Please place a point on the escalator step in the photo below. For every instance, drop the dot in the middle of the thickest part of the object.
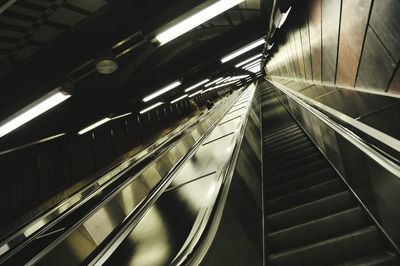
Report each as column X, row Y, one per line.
column 306, row 159
column 283, row 147
column 270, row 140
column 301, row 183
column 318, row 230
column 280, row 131
column 303, row 196
column 310, row 211
column 332, row 251
column 296, row 173
column 285, row 141
column 288, row 153
column 290, row 157
column 382, row 259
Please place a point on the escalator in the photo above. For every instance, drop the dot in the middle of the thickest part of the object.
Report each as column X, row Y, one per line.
column 311, row 216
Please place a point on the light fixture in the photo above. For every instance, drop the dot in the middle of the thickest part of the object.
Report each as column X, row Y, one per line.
column 162, row 91
column 195, row 20
column 197, row 85
column 269, row 47
column 243, row 50
column 253, row 66
column 225, row 79
column 252, row 63
column 179, row 98
column 197, row 92
column 212, row 82
column 120, row 116
column 284, row 17
column 248, row 60
column 255, row 69
column 33, row 110
column 151, row 107
column 93, row 126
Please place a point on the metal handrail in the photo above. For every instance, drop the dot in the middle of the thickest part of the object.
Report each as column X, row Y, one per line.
column 341, row 126
column 202, row 238
column 76, row 200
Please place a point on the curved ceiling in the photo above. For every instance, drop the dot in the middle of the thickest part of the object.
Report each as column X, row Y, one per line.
column 44, row 43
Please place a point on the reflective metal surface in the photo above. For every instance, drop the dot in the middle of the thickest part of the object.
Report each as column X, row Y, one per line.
column 76, row 237
column 373, row 177
column 171, row 230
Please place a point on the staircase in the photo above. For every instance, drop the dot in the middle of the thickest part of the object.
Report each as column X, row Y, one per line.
column 311, row 217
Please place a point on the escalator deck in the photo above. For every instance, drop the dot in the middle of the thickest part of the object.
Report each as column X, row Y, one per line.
column 311, row 217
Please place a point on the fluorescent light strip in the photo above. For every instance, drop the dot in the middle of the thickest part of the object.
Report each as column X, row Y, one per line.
column 225, row 79
column 120, row 116
column 33, row 110
column 252, row 63
column 162, row 91
column 151, row 107
column 197, row 92
column 197, row 85
column 196, row 20
column 93, row 126
column 179, row 98
column 284, row 17
column 243, row 50
column 212, row 82
column 255, row 69
column 248, row 60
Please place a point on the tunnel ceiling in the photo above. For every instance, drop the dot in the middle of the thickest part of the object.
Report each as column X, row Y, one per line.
column 46, row 43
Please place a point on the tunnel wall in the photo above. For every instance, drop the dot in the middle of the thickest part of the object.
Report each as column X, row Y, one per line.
column 346, row 43
column 56, row 168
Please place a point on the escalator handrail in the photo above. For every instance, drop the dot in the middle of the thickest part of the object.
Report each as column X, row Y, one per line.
column 129, row 224
column 201, row 240
column 15, row 239
column 342, row 126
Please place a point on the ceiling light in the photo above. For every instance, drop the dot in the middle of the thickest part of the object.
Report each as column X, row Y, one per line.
column 243, row 50
column 212, row 82
column 92, row 126
column 196, row 20
column 33, row 110
column 197, row 92
column 179, row 98
column 252, row 63
column 225, row 79
column 248, row 60
column 120, row 116
column 162, row 91
column 151, row 107
column 284, row 17
column 197, row 85
column 255, row 69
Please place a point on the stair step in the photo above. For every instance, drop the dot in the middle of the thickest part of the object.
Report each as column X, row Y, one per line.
column 284, row 139
column 296, row 173
column 312, row 157
column 283, row 147
column 273, row 133
column 300, row 183
column 332, row 251
column 293, row 156
column 318, row 230
column 282, row 126
column 310, row 211
column 383, row 258
column 303, row 196
column 292, row 152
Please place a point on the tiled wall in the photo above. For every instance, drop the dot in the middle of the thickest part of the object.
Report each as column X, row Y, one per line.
column 346, row 43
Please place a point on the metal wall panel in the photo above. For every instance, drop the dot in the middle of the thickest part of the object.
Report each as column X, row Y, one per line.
column 299, row 53
column 352, row 31
column 315, row 29
column 395, row 84
column 330, row 30
column 376, row 66
column 385, row 21
column 305, row 41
